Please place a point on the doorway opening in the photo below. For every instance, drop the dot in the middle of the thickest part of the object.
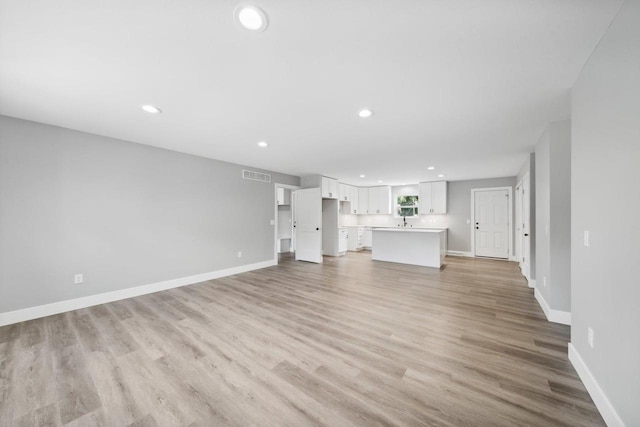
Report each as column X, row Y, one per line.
column 284, row 224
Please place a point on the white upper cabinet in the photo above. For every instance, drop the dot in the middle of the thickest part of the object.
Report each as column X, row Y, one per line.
column 355, row 193
column 433, row 198
column 379, row 200
column 348, row 193
column 363, row 201
column 328, row 186
column 345, row 192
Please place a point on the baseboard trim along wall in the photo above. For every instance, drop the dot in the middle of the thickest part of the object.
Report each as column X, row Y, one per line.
column 460, row 253
column 532, row 283
column 600, row 399
column 555, row 316
column 91, row 300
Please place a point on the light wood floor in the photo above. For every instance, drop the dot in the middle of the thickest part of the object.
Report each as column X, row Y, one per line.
column 350, row 342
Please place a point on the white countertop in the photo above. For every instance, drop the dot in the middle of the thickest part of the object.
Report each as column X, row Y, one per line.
column 380, row 227
column 410, row 230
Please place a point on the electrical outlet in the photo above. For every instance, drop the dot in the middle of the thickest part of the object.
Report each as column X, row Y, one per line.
column 544, row 281
column 239, row 254
column 590, row 337
column 468, row 221
column 78, row 278
column 586, row 238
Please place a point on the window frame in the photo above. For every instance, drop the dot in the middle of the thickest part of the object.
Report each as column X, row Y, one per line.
column 415, row 206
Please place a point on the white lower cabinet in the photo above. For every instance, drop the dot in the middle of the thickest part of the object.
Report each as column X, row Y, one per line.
column 367, row 237
column 356, row 238
column 343, row 239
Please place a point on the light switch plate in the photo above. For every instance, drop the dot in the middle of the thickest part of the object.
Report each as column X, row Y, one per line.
column 586, row 238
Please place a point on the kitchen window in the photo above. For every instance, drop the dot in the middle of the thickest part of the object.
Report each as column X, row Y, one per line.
column 406, row 206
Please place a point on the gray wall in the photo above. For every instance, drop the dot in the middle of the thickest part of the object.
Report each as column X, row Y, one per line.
column 459, row 209
column 553, row 215
column 606, row 201
column 529, row 167
column 122, row 214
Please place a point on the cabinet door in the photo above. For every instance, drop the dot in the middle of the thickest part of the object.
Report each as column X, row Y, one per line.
column 329, row 188
column 367, row 237
column 374, row 201
column 363, row 200
column 384, row 200
column 424, row 198
column 439, row 197
column 355, row 209
column 333, row 188
column 325, row 187
column 343, row 192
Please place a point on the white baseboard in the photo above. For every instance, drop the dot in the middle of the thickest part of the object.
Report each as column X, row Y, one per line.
column 36, row 312
column 600, row 399
column 555, row 316
column 460, row 253
column 531, row 283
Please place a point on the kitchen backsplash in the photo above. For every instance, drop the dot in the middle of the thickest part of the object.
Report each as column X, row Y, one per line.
column 425, row 221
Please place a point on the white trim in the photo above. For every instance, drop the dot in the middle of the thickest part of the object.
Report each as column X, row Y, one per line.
column 531, row 283
column 555, row 316
column 30, row 313
column 460, row 253
column 275, row 216
column 600, row 399
column 473, row 217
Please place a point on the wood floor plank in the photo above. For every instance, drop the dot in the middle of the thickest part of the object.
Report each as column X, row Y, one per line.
column 347, row 342
column 76, row 392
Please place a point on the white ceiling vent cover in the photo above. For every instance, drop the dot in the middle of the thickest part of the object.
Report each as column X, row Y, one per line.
column 256, row 176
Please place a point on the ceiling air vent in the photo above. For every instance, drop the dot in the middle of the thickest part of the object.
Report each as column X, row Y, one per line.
column 256, row 176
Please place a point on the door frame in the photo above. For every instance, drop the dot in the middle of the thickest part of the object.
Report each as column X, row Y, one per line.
column 473, row 218
column 519, row 244
column 275, row 216
column 526, row 272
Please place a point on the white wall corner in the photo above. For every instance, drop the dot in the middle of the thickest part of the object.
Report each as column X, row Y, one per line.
column 555, row 316
column 36, row 312
column 600, row 399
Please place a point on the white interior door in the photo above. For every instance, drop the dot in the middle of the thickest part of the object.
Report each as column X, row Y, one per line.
column 526, row 227
column 294, row 220
column 518, row 224
column 492, row 223
column 309, row 225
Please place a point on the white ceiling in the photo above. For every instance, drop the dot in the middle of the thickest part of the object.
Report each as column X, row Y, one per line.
column 464, row 85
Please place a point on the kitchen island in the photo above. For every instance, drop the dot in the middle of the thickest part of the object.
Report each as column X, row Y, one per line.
column 417, row 246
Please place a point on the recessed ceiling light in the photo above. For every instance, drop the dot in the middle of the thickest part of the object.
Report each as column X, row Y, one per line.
column 440, row 176
column 251, row 18
column 262, row 144
column 151, row 109
column 431, row 168
column 365, row 113
column 362, row 176
column 380, row 181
